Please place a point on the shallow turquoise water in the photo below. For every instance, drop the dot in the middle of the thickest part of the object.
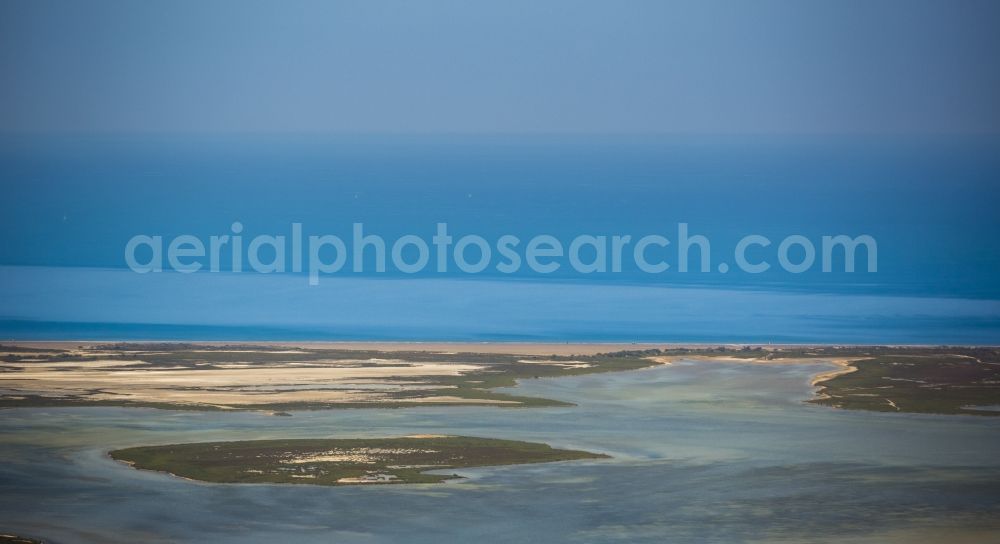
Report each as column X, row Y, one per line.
column 702, row 452
column 54, row 303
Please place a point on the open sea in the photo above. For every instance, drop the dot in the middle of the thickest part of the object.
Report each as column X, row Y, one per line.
column 71, row 204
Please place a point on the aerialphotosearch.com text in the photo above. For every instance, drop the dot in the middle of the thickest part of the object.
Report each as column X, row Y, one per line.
column 363, row 251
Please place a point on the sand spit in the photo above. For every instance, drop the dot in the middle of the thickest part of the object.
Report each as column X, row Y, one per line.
column 844, row 366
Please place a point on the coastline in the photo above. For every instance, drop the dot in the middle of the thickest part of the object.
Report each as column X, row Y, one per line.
column 507, row 348
column 574, row 347
column 279, row 376
column 845, row 366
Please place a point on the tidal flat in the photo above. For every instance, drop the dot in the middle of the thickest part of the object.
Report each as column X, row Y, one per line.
column 718, row 447
column 282, row 378
column 277, row 378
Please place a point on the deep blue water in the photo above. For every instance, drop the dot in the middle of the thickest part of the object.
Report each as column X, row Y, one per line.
column 72, row 203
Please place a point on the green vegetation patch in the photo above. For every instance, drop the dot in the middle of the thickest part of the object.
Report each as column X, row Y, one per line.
column 15, row 539
column 340, row 461
column 965, row 382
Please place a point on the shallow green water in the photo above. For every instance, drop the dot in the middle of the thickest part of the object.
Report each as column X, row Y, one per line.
column 702, row 452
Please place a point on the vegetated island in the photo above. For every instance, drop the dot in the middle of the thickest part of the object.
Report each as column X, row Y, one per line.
column 404, row 460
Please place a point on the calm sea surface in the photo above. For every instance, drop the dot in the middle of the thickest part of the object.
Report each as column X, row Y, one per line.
column 71, row 204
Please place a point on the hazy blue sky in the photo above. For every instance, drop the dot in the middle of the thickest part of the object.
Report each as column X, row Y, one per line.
column 508, row 66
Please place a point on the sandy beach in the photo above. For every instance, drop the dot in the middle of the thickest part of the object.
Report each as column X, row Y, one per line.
column 515, row 348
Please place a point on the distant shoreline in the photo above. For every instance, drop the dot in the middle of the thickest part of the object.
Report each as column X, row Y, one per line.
column 283, row 376
column 513, row 347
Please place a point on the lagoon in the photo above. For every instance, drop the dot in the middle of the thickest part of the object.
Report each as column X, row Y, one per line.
column 701, row 451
